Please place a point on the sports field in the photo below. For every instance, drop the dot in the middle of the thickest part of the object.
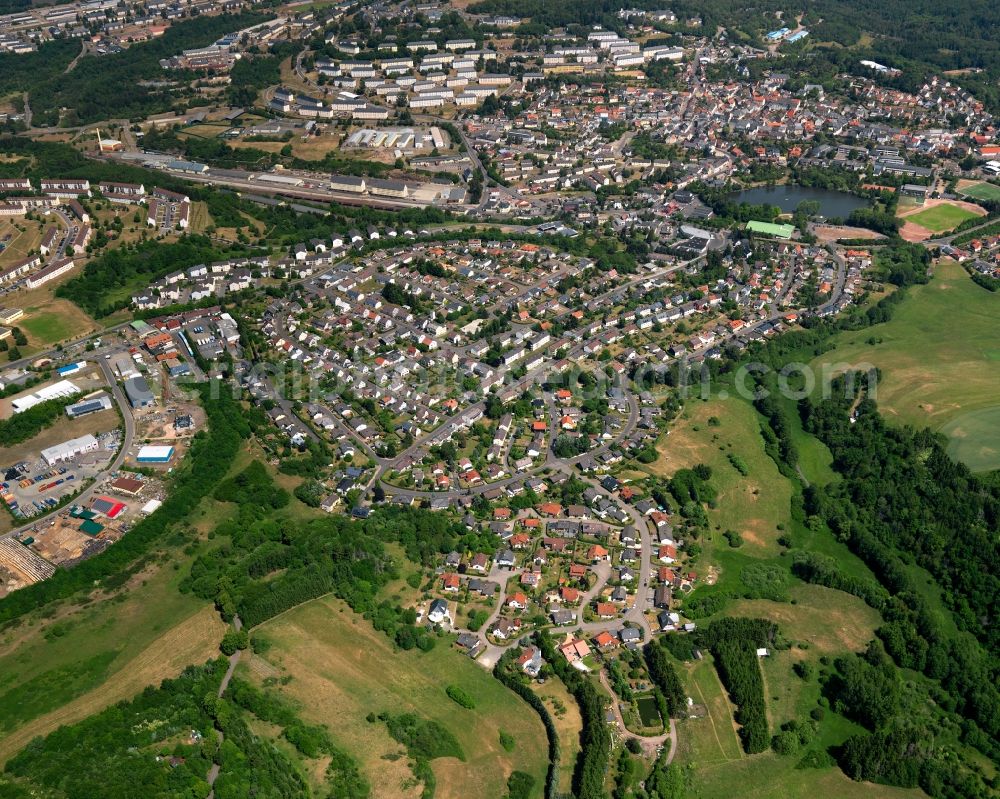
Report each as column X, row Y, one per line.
column 980, row 190
column 940, row 363
column 941, row 218
column 49, row 327
column 19, row 238
column 341, row 669
column 48, row 319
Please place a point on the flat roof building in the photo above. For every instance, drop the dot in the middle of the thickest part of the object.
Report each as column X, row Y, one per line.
column 69, row 449
column 101, row 402
column 155, row 454
column 127, row 485
column 64, row 388
column 771, row 229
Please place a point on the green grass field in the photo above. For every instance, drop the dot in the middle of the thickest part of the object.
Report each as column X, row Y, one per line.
column 753, row 505
column 565, row 714
column 972, row 438
column 48, row 327
column 939, row 361
column 341, row 670
column 720, row 769
column 982, row 191
column 828, row 621
column 941, row 218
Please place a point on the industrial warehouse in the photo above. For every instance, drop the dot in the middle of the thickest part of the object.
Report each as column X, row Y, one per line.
column 69, row 449
column 139, row 395
column 98, row 402
column 155, row 454
column 60, row 390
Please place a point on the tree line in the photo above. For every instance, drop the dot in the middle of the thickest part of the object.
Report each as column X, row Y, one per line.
column 734, row 643
column 595, row 737
column 507, row 672
column 29, row 423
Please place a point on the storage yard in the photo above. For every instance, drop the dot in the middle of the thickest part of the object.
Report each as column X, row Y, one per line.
column 79, row 531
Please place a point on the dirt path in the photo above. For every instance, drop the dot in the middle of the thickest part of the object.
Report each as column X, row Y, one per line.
column 234, row 661
column 72, row 64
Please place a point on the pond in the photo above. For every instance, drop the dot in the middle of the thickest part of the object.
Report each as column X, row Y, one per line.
column 787, row 198
column 649, row 713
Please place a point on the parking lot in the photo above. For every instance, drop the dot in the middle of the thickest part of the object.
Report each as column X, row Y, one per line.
column 32, row 487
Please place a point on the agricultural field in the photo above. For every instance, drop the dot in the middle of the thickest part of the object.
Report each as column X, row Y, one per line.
column 979, row 190
column 939, row 361
column 942, row 218
column 339, row 669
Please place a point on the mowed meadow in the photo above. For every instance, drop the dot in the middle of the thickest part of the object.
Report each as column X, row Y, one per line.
column 940, row 363
column 337, row 669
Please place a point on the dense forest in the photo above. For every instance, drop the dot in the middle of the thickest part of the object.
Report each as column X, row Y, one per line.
column 117, row 86
column 909, row 511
